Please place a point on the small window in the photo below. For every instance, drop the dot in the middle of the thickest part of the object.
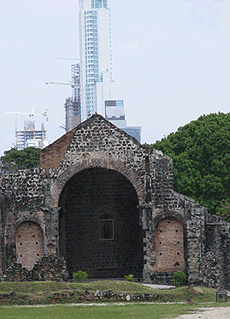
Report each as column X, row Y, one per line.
column 106, row 228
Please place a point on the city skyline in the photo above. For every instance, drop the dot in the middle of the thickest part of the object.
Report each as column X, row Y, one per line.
column 170, row 59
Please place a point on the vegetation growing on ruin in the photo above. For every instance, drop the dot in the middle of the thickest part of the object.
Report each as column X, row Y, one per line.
column 80, row 275
column 200, row 152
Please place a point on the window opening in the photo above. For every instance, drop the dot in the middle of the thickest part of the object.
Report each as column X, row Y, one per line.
column 106, row 227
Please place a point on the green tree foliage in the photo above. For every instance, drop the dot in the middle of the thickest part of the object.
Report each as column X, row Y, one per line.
column 13, row 159
column 200, row 152
column 224, row 210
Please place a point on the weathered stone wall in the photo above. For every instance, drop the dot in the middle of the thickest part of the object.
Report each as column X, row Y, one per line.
column 42, row 197
column 49, row 268
column 215, row 266
column 97, row 143
column 25, row 198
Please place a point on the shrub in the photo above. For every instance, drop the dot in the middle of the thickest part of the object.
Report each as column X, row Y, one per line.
column 80, row 275
column 129, row 277
column 179, row 278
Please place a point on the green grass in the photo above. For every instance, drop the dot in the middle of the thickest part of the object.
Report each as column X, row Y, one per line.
column 65, row 292
column 59, row 294
column 130, row 311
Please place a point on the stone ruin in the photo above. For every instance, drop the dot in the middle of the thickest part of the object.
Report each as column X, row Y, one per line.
column 105, row 204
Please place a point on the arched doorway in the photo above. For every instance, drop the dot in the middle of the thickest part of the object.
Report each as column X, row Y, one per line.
column 99, row 225
column 29, row 244
column 169, row 245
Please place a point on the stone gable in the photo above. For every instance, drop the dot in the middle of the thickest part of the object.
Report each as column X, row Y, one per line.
column 106, row 204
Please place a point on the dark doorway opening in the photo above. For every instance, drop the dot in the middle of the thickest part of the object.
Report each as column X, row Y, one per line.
column 99, row 225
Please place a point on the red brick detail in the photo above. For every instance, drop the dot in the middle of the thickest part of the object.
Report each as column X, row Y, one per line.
column 52, row 155
column 169, row 246
column 29, row 244
column 93, row 163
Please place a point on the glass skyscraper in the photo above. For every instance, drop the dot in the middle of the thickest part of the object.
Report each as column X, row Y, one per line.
column 95, row 56
column 96, row 83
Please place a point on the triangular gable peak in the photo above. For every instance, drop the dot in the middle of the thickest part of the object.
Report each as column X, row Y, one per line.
column 95, row 135
column 97, row 143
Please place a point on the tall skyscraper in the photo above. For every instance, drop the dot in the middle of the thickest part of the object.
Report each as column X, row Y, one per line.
column 95, row 71
column 95, row 56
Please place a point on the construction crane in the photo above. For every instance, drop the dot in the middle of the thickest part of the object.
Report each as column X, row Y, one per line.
column 73, row 59
column 32, row 114
column 59, row 83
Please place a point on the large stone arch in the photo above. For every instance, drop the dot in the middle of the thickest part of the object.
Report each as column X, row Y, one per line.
column 107, row 163
column 170, row 242
column 94, row 198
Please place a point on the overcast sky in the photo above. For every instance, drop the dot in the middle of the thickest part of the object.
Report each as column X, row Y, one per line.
column 170, row 61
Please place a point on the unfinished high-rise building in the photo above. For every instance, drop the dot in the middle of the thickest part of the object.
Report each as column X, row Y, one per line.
column 73, row 104
column 30, row 137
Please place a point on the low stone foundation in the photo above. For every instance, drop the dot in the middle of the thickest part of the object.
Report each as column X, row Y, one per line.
column 48, row 268
column 162, row 278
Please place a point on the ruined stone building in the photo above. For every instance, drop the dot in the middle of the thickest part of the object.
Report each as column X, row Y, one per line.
column 107, row 205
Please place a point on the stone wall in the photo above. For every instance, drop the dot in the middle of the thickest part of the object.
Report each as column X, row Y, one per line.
column 49, row 196
column 49, row 268
column 215, row 266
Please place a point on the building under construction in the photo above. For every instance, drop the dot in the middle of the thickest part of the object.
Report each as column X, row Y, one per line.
column 30, row 137
column 73, row 104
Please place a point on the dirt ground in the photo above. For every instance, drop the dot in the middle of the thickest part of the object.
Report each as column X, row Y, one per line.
column 215, row 313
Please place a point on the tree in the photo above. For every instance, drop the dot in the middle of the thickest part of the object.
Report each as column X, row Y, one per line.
column 200, row 152
column 224, row 210
column 14, row 159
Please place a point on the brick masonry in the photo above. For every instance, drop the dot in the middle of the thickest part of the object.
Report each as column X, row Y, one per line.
column 29, row 244
column 98, row 170
column 169, row 246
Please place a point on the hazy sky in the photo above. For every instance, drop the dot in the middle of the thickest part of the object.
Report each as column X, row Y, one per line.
column 170, row 61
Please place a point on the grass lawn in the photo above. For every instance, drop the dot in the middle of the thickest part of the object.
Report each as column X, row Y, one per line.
column 32, row 293
column 57, row 297
column 128, row 311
